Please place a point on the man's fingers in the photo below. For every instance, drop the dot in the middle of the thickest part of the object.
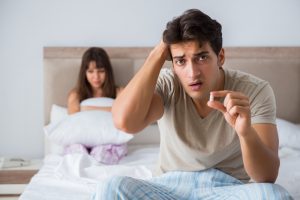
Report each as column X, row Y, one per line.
column 228, row 94
column 231, row 98
column 217, row 105
column 235, row 102
column 238, row 110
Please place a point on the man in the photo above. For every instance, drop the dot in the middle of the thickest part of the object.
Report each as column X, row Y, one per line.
column 208, row 148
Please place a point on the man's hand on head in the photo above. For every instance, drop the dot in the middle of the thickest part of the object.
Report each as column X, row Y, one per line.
column 163, row 49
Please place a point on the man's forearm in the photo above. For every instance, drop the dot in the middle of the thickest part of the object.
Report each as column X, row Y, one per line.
column 132, row 106
column 260, row 162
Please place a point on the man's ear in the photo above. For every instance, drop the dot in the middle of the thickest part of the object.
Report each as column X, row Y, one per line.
column 221, row 58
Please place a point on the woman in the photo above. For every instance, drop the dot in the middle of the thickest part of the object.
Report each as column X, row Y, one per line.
column 95, row 79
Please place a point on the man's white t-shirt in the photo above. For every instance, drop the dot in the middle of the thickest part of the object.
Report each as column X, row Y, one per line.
column 192, row 143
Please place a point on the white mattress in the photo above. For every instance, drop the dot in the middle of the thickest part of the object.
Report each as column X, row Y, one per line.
column 75, row 176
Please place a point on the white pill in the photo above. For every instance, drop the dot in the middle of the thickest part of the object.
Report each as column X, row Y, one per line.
column 211, row 97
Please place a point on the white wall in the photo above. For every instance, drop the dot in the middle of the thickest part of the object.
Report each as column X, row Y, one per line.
column 26, row 26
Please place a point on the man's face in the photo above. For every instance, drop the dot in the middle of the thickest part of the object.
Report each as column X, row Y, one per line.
column 197, row 68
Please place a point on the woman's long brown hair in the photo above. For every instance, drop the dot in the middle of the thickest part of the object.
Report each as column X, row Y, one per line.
column 100, row 57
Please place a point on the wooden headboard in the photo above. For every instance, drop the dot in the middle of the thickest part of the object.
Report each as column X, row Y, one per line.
column 278, row 65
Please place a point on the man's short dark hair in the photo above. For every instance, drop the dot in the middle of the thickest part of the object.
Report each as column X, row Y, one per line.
column 194, row 25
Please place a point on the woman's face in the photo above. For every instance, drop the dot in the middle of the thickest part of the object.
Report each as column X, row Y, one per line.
column 95, row 76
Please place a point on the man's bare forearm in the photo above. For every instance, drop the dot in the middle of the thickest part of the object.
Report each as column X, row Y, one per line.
column 131, row 108
column 261, row 163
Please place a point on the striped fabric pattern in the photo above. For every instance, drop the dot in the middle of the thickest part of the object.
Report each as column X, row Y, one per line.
column 210, row 184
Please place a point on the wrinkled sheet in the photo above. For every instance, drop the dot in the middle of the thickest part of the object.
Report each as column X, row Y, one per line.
column 289, row 171
column 76, row 176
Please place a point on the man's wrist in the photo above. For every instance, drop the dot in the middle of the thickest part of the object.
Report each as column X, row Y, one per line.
column 249, row 135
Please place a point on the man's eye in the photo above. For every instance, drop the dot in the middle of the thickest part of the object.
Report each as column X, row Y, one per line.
column 202, row 58
column 180, row 62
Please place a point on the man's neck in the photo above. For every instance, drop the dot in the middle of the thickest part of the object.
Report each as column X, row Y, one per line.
column 202, row 109
column 201, row 105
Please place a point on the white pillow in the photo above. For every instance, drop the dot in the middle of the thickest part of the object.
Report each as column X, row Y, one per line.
column 98, row 101
column 288, row 133
column 89, row 128
column 58, row 113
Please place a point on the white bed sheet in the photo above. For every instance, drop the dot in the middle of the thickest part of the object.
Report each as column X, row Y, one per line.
column 289, row 171
column 75, row 176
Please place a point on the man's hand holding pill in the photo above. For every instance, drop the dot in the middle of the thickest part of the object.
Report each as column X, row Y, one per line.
column 235, row 108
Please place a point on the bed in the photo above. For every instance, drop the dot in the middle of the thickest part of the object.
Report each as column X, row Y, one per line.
column 76, row 176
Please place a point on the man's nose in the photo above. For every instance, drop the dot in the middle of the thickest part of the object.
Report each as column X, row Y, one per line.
column 193, row 70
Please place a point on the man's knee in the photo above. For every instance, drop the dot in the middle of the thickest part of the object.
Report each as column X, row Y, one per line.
column 284, row 194
column 119, row 186
column 115, row 183
column 274, row 191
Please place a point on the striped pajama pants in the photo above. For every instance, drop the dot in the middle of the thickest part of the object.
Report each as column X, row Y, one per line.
column 208, row 184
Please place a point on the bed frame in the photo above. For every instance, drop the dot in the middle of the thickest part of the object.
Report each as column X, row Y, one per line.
column 278, row 65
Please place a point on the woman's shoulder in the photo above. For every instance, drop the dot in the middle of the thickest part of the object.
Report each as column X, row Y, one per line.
column 73, row 95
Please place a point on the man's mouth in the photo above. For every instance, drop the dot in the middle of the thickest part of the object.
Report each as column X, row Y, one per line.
column 196, row 85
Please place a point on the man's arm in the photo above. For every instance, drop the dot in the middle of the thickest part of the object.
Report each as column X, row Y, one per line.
column 260, row 152
column 259, row 142
column 138, row 105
